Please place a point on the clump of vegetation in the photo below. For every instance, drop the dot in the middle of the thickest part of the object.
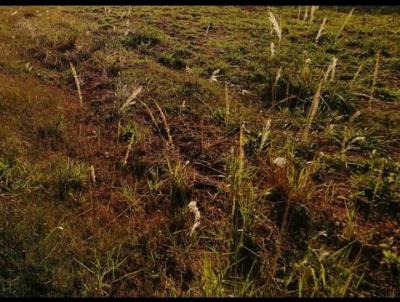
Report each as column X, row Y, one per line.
column 52, row 131
column 64, row 37
column 172, row 61
column 144, row 36
column 323, row 273
column 179, row 186
column 70, row 177
column 129, row 132
column 13, row 176
column 393, row 260
column 243, row 197
column 380, row 186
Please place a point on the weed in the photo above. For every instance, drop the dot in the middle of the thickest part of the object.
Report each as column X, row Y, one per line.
column 212, row 279
column 70, row 177
column 13, row 176
column 379, row 187
column 130, row 194
column 52, row 131
column 351, row 214
column 133, row 135
column 144, row 37
column 179, row 186
column 129, row 131
column 215, row 280
column 392, row 259
column 103, row 273
column 153, row 179
column 352, row 138
column 323, row 273
column 172, row 61
column 243, row 196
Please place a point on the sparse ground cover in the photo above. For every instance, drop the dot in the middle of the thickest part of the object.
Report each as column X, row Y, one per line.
column 284, row 132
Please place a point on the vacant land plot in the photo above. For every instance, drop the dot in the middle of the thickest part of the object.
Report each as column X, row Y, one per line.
column 199, row 151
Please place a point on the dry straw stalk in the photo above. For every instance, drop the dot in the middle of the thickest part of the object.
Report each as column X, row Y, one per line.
column 165, row 124
column 78, row 86
column 275, row 26
column 312, row 13
column 375, row 76
column 305, row 14
column 129, row 101
column 272, row 49
column 356, row 74
column 321, row 29
column 316, row 99
column 128, row 150
column 227, row 103
column 344, row 24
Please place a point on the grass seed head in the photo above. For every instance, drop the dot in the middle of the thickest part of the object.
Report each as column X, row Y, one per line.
column 195, row 210
column 319, row 34
column 78, row 86
column 275, row 26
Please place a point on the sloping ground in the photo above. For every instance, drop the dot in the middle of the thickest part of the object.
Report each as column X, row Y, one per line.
column 279, row 214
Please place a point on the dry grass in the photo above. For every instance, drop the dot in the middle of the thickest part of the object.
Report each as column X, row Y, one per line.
column 374, row 78
column 357, row 73
column 166, row 126
column 277, row 77
column 333, row 69
column 275, row 26
column 346, row 20
column 321, row 29
column 272, row 49
column 312, row 13
column 78, row 86
column 128, row 150
column 93, row 174
column 227, row 103
column 130, row 100
column 305, row 14
column 317, row 96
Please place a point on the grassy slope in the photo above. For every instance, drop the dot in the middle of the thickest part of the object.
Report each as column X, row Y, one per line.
column 320, row 225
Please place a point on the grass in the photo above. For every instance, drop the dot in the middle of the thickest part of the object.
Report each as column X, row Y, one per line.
column 243, row 197
column 215, row 151
column 69, row 178
column 78, row 86
column 179, row 189
column 322, row 273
